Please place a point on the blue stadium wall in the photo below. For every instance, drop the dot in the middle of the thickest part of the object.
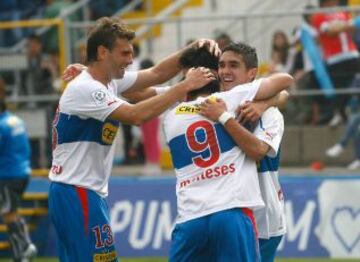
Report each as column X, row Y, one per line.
column 323, row 216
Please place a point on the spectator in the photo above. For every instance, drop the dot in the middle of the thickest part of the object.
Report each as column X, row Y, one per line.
column 352, row 132
column 38, row 80
column 340, row 53
column 14, row 177
column 222, row 39
column 313, row 74
column 42, row 70
column 279, row 52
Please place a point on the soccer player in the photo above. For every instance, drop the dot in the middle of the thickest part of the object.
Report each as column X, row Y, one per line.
column 238, row 65
column 84, row 129
column 217, row 185
column 14, row 177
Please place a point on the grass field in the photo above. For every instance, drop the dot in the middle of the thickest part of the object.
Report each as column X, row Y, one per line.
column 165, row 260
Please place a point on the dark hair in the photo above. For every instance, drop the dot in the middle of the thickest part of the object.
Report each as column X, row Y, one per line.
column 307, row 16
column 196, row 57
column 106, row 32
column 212, row 87
column 247, row 52
column 146, row 63
column 223, row 36
column 283, row 51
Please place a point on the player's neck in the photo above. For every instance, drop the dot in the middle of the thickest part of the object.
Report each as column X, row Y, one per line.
column 99, row 73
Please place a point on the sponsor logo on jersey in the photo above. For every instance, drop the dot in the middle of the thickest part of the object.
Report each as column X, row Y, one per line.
column 187, row 110
column 109, row 133
column 105, row 257
column 209, row 173
column 191, row 109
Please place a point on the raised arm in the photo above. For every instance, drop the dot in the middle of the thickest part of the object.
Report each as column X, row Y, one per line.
column 272, row 85
column 148, row 109
column 169, row 67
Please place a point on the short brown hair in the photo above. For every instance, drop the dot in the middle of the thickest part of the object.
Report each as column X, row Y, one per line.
column 106, row 31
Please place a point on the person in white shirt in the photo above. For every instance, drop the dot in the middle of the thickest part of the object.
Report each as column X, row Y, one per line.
column 238, row 65
column 217, row 185
column 84, row 129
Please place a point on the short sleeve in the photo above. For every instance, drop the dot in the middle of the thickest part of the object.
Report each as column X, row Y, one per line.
column 126, row 82
column 270, row 129
column 89, row 99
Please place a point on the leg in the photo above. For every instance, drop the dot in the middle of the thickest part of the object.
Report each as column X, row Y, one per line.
column 351, row 129
column 10, row 194
column 189, row 241
column 268, row 248
column 88, row 222
column 233, row 237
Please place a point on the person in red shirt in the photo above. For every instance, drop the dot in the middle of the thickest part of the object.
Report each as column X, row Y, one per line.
column 339, row 52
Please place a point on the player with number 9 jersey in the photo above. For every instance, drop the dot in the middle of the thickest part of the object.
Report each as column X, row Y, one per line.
column 217, row 185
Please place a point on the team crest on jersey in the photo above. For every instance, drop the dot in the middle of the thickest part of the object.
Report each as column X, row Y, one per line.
column 109, row 133
column 99, row 97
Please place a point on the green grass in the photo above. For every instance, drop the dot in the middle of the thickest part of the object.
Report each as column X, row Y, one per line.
column 165, row 260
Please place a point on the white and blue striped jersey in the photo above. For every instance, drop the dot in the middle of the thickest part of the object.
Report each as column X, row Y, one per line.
column 212, row 173
column 270, row 219
column 83, row 137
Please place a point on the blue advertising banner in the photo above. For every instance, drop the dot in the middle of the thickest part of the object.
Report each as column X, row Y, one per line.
column 322, row 213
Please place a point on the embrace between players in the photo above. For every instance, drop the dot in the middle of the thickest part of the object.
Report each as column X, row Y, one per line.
column 218, row 185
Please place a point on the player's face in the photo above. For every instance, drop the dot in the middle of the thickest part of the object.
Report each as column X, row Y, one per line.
column 120, row 57
column 233, row 71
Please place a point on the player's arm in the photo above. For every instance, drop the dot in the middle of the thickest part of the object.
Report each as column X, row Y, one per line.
column 169, row 67
column 137, row 96
column 138, row 113
column 246, row 141
column 272, row 85
column 252, row 111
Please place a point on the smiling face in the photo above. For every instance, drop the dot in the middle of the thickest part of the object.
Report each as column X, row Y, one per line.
column 233, row 71
column 120, row 57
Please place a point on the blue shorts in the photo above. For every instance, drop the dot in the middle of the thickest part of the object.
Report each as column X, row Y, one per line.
column 81, row 220
column 268, row 248
column 223, row 236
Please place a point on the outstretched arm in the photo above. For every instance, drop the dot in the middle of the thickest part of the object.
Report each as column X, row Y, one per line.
column 272, row 85
column 170, row 67
column 150, row 108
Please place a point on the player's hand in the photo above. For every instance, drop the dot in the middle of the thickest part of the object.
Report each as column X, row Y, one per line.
column 212, row 46
column 250, row 111
column 198, row 77
column 212, row 109
column 72, row 71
